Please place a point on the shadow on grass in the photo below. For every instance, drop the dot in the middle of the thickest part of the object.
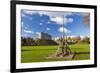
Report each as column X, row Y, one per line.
column 82, row 52
column 25, row 50
column 79, row 53
column 36, row 49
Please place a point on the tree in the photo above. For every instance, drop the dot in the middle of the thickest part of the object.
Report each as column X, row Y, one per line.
column 45, row 42
column 27, row 41
column 85, row 40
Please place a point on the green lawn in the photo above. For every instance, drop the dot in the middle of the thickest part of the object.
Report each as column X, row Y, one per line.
column 39, row 53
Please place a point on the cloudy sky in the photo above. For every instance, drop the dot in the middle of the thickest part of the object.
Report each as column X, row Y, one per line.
column 51, row 22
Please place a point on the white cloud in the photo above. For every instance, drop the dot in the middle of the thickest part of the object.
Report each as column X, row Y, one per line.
column 23, row 15
column 61, row 29
column 48, row 13
column 68, row 20
column 22, row 23
column 37, row 33
column 54, row 16
column 30, row 12
column 28, row 31
column 68, row 13
column 25, row 12
column 41, row 24
column 58, row 20
column 58, row 17
column 56, row 38
column 61, row 20
column 51, row 14
column 47, row 28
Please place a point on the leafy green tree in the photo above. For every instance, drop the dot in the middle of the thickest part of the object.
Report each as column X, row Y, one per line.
column 45, row 42
column 27, row 41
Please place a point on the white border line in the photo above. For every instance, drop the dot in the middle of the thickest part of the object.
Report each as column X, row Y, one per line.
column 51, row 64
